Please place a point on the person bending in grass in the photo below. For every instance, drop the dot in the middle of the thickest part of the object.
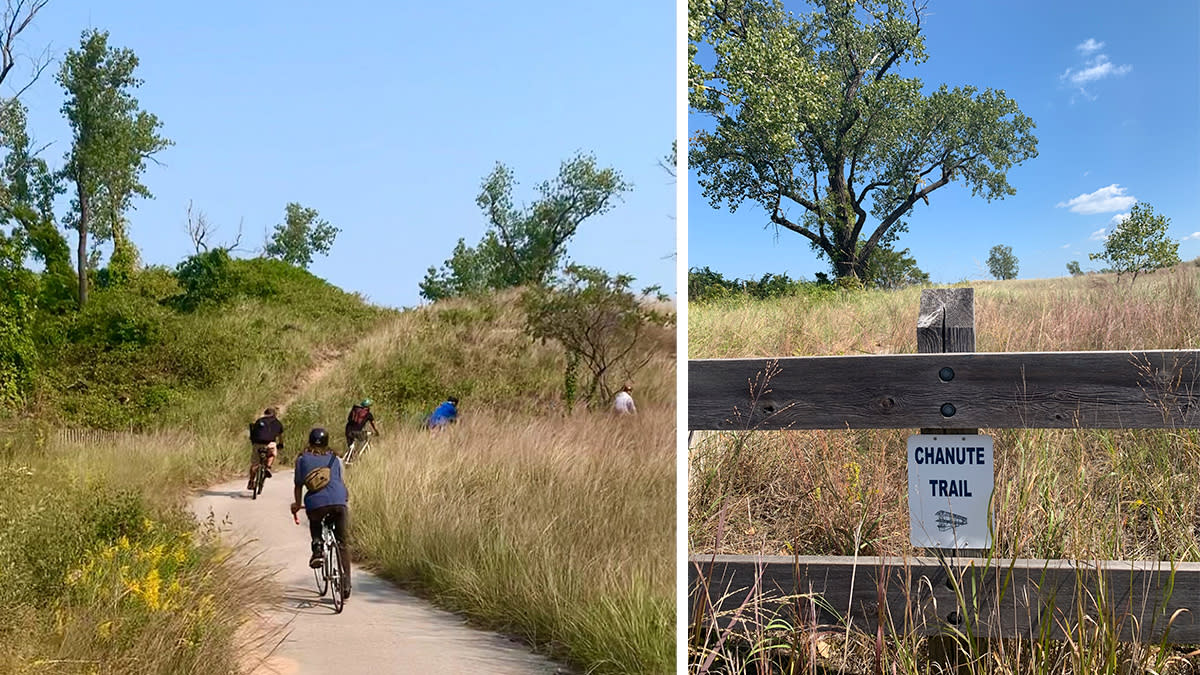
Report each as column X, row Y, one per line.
column 319, row 481
column 623, row 404
column 266, row 433
column 444, row 415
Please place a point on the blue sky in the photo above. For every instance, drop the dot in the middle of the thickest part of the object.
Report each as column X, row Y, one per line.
column 385, row 117
column 1113, row 89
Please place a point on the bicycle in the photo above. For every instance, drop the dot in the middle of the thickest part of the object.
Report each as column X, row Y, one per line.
column 357, row 450
column 329, row 575
column 260, row 472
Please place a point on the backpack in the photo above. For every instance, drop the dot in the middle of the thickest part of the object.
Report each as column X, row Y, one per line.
column 358, row 415
column 259, row 433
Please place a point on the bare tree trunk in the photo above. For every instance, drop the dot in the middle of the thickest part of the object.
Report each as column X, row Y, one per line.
column 81, row 251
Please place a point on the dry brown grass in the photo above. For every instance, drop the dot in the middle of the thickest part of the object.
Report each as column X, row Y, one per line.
column 1059, row 494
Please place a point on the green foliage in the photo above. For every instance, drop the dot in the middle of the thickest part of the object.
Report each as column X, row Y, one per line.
column 525, row 246
column 18, row 288
column 1074, row 269
column 1002, row 263
column 891, row 269
column 1140, row 243
column 809, row 110
column 207, row 278
column 302, row 235
column 112, row 139
column 597, row 318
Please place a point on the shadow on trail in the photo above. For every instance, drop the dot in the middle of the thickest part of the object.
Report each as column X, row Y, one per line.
column 234, row 494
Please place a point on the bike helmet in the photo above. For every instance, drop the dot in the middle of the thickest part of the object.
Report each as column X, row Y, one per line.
column 366, row 403
column 453, row 399
column 318, row 438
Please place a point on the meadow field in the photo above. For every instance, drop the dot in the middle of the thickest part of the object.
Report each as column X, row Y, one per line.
column 553, row 526
column 1078, row 494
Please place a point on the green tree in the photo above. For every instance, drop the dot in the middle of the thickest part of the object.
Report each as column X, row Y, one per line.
column 810, row 112
column 302, row 235
column 1139, row 243
column 18, row 354
column 601, row 324
column 1002, row 263
column 1073, row 268
column 112, row 139
column 892, row 269
column 525, row 246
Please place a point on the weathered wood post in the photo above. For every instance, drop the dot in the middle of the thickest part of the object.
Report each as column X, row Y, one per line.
column 946, row 324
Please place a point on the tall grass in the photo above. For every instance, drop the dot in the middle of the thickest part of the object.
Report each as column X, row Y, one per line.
column 1081, row 494
column 558, row 530
column 98, row 579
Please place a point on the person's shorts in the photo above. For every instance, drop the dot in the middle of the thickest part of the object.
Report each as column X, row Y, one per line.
column 354, row 436
column 270, row 448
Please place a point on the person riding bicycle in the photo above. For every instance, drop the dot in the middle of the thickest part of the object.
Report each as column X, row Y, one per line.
column 266, row 433
column 356, row 423
column 319, row 481
column 443, row 415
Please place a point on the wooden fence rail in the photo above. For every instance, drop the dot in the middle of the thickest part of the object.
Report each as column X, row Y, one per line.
column 1143, row 601
column 957, row 391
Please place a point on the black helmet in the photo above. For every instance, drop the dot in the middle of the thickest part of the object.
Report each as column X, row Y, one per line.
column 318, row 438
column 453, row 399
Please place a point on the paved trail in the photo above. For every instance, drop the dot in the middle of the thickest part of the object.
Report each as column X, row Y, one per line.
column 381, row 630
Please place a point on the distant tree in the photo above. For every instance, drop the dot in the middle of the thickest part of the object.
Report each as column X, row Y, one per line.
column 601, row 324
column 1073, row 268
column 18, row 288
column 892, row 269
column 1002, row 263
column 525, row 246
column 112, row 140
column 1139, row 243
column 302, row 235
column 812, row 116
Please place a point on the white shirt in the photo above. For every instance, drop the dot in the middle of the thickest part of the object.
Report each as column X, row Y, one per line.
column 624, row 403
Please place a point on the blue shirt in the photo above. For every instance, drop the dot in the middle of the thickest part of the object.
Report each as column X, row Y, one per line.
column 444, row 414
column 334, row 493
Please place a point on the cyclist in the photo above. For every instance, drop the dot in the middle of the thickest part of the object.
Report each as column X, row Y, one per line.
column 265, row 432
column 356, row 422
column 320, row 471
column 444, row 414
column 623, row 403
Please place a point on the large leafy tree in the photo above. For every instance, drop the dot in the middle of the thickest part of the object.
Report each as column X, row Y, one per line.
column 112, row 140
column 525, row 245
column 814, row 122
column 301, row 235
column 1002, row 263
column 1139, row 243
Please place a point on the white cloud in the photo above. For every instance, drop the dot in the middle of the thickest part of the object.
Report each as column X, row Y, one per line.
column 1118, row 219
column 1095, row 66
column 1097, row 69
column 1065, row 246
column 1099, row 235
column 1104, row 200
column 1194, row 235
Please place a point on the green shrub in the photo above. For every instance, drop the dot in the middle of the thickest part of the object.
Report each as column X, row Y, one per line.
column 207, row 278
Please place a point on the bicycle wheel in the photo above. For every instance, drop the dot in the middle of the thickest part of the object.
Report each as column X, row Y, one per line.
column 322, row 576
column 335, row 576
column 260, row 479
column 254, row 484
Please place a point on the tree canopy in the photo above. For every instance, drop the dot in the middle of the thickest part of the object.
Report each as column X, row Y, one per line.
column 301, row 235
column 112, row 140
column 1139, row 243
column 814, row 122
column 525, row 245
column 1002, row 263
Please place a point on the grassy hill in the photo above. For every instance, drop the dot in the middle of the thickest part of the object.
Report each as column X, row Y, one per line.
column 555, row 527
column 1083, row 494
